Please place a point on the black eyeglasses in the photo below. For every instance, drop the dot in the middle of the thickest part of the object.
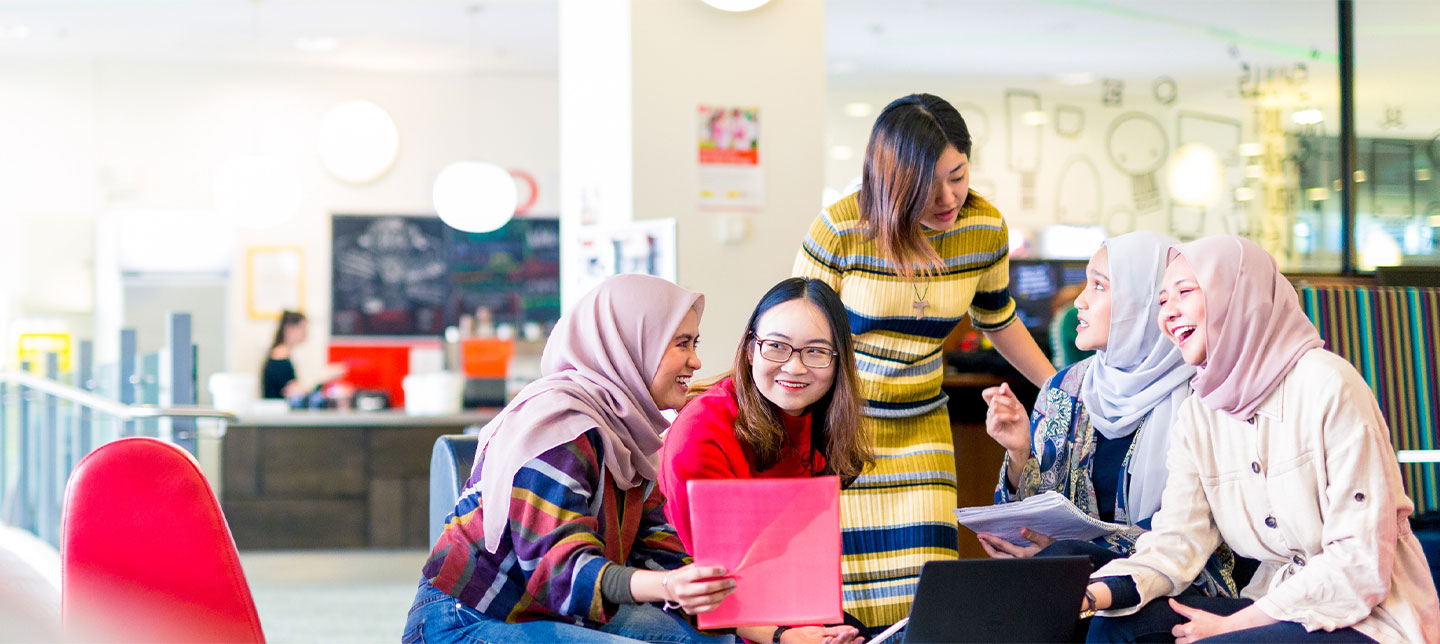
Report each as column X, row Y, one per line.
column 813, row 357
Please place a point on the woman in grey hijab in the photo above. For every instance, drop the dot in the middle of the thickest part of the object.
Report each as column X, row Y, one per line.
column 1101, row 427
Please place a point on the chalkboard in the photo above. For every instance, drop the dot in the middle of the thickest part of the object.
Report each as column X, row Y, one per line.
column 402, row 275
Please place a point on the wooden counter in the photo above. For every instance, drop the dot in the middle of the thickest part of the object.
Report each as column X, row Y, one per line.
column 333, row 479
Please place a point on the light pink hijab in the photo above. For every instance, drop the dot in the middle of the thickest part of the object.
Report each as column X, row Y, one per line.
column 1255, row 331
column 597, row 368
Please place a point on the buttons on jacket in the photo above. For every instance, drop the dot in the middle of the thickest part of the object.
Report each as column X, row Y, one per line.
column 1270, row 522
column 1255, row 466
column 1359, row 496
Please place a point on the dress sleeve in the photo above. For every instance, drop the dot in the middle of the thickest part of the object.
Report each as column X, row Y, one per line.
column 992, row 308
column 822, row 255
column 1032, row 470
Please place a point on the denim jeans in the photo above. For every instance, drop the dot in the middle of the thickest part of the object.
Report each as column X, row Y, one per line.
column 437, row 617
column 1154, row 621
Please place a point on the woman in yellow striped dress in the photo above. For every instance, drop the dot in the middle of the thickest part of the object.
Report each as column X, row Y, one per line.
column 910, row 254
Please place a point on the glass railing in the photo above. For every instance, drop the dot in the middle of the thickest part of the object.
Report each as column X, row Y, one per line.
column 50, row 419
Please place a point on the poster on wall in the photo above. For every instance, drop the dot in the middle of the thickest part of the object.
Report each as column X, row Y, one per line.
column 646, row 246
column 274, row 281
column 729, row 154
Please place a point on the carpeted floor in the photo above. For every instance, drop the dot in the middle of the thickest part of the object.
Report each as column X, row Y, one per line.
column 333, row 596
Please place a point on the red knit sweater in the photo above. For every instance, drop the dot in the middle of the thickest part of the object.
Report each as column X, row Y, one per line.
column 702, row 444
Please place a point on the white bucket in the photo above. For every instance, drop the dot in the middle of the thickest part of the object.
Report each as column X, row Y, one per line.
column 234, row 392
column 433, row 394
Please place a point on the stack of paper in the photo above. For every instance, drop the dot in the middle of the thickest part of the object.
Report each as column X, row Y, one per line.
column 1050, row 514
column 779, row 539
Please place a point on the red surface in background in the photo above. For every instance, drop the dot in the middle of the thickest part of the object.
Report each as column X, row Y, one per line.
column 380, row 366
column 486, row 357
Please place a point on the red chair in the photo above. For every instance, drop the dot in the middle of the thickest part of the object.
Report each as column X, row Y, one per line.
column 145, row 553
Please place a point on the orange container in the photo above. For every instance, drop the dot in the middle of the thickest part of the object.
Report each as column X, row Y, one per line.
column 485, row 357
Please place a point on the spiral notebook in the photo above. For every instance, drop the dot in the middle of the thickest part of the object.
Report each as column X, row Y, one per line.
column 1050, row 514
column 779, row 539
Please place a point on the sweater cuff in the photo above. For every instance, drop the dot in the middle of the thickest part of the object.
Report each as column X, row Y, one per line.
column 615, row 584
column 1123, row 593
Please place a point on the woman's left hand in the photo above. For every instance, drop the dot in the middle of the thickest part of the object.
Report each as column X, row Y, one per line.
column 822, row 635
column 999, row 548
column 1204, row 624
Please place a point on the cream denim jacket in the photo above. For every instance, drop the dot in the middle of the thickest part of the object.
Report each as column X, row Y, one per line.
column 1310, row 487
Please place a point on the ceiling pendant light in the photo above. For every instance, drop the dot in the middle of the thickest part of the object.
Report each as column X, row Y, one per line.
column 475, row 197
column 736, row 5
column 358, row 142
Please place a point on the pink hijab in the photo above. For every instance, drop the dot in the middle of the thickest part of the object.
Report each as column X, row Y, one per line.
column 1255, row 331
column 597, row 368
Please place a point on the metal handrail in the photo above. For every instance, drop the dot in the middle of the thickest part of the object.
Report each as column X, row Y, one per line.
column 120, row 410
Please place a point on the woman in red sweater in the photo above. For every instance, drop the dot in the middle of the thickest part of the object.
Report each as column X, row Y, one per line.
column 789, row 408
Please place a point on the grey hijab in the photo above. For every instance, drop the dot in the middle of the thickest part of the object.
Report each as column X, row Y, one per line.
column 1139, row 378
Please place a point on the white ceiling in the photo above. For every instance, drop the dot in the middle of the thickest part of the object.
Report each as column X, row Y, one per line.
column 992, row 37
column 516, row 36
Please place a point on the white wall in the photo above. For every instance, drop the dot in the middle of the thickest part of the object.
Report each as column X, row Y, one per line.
column 981, row 100
column 688, row 54
column 99, row 136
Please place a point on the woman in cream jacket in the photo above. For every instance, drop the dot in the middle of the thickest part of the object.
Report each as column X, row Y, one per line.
column 1283, row 453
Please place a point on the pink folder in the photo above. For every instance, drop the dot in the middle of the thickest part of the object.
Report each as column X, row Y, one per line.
column 779, row 539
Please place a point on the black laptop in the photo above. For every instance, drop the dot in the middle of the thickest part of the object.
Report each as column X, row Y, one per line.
column 998, row 600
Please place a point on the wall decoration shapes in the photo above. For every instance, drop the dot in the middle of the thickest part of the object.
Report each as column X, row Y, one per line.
column 1165, row 90
column 1394, row 118
column 1223, row 135
column 1025, row 127
column 1077, row 193
column 1069, row 121
column 1186, row 222
column 1112, row 92
column 1138, row 146
column 978, row 122
column 1121, row 220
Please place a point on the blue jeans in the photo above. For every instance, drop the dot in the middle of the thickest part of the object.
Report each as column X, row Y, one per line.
column 437, row 617
column 1154, row 621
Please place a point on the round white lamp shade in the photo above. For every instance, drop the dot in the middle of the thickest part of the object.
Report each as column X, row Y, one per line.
column 358, row 141
column 256, row 191
column 1197, row 176
column 736, row 5
column 475, row 197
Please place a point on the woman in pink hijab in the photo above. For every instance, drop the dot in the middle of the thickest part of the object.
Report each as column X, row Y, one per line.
column 559, row 535
column 1281, row 452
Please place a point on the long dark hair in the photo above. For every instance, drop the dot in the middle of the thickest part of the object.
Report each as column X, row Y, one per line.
column 835, row 425
column 908, row 138
column 287, row 320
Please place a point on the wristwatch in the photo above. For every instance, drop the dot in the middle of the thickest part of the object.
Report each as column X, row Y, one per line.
column 778, row 630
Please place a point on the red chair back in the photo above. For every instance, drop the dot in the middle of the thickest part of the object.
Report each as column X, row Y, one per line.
column 145, row 553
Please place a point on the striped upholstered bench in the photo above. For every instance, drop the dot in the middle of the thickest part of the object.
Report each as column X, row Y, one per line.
column 1392, row 336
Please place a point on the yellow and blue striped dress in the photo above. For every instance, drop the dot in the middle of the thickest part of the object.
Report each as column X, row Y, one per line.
column 899, row 514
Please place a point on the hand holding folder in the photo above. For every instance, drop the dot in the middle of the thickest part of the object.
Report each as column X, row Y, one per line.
column 1050, row 514
column 779, row 539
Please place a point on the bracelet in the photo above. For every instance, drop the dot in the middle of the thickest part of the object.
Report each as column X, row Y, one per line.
column 775, row 639
column 1090, row 602
column 665, row 585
